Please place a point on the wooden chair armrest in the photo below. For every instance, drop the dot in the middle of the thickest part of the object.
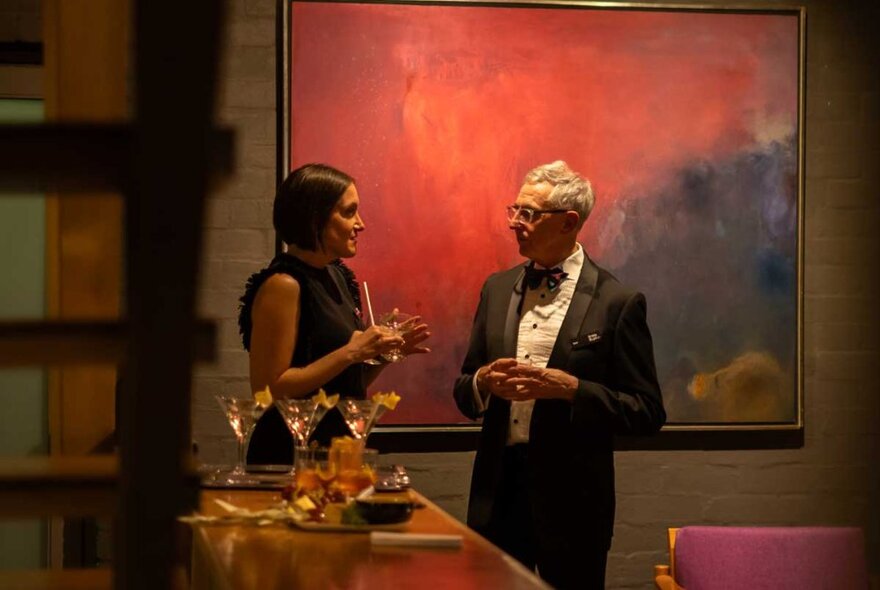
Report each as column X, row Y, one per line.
column 662, row 579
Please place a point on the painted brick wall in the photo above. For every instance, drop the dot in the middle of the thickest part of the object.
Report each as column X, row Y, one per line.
column 238, row 225
column 832, row 480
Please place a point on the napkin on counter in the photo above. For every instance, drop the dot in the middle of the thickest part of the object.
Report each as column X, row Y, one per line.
column 385, row 539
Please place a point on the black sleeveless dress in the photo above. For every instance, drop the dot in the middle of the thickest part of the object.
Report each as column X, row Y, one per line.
column 329, row 314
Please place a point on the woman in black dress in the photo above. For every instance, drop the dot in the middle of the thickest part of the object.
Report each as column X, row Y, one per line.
column 300, row 317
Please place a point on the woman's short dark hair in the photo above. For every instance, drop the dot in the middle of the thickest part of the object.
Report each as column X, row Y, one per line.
column 304, row 202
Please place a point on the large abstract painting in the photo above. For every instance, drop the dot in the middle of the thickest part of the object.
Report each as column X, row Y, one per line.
column 687, row 123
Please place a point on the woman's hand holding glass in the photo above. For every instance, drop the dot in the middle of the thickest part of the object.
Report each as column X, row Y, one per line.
column 372, row 342
column 414, row 331
column 410, row 328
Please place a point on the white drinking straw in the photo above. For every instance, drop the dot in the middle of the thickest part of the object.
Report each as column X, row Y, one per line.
column 369, row 306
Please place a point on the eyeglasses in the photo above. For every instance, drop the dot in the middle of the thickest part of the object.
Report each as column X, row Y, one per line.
column 516, row 213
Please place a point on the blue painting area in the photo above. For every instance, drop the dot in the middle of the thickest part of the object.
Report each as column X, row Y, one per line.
column 775, row 272
column 715, row 252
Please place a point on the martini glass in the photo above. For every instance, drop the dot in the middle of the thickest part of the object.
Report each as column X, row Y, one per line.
column 301, row 417
column 361, row 415
column 242, row 415
column 356, row 413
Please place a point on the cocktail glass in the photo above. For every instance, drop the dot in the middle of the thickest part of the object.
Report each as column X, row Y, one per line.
column 345, row 469
column 356, row 470
column 390, row 331
column 301, row 417
column 356, row 413
column 242, row 414
column 361, row 415
column 314, row 469
column 398, row 323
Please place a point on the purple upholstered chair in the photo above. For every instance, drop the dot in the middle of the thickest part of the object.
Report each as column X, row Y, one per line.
column 757, row 558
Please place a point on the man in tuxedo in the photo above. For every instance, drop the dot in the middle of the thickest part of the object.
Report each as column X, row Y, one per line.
column 560, row 360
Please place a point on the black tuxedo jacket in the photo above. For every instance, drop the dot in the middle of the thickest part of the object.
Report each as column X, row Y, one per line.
column 604, row 341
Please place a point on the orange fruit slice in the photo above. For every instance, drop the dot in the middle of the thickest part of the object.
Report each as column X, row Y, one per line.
column 322, row 399
column 264, row 397
column 389, row 400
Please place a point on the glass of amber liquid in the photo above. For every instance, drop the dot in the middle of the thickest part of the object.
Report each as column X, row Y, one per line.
column 355, row 476
column 314, row 469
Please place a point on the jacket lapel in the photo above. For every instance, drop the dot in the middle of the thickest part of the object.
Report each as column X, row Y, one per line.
column 511, row 318
column 502, row 327
column 574, row 317
column 502, row 322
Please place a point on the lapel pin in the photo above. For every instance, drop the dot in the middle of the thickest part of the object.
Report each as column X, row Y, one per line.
column 586, row 339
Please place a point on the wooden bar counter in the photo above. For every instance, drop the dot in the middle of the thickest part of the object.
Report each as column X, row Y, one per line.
column 242, row 556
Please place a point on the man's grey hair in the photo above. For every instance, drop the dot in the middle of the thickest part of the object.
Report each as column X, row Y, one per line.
column 570, row 190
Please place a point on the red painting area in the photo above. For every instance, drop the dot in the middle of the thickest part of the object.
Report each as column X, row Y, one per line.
column 439, row 111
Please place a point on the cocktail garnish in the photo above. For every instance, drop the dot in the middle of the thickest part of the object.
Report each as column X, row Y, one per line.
column 264, row 397
column 389, row 400
column 322, row 399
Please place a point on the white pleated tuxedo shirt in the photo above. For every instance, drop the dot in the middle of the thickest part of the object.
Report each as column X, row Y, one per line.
column 542, row 314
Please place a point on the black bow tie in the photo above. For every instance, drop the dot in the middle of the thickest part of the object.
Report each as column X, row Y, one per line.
column 534, row 276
